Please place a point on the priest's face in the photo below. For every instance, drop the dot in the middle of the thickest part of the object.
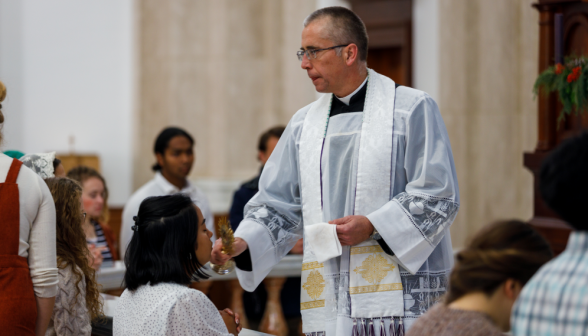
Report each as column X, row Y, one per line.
column 178, row 158
column 327, row 71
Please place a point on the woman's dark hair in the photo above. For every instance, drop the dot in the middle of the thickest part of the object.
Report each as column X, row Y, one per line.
column 164, row 242
column 503, row 250
column 163, row 139
column 275, row 132
column 56, row 163
column 564, row 178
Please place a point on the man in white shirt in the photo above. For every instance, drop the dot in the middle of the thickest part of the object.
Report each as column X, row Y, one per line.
column 174, row 151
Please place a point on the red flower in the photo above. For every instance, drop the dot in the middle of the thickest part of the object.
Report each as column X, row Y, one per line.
column 559, row 68
column 570, row 78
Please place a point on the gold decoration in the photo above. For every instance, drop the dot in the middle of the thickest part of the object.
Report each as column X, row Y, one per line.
column 375, row 288
column 312, row 304
column 374, row 268
column 312, row 265
column 366, row 249
column 315, row 284
column 226, row 234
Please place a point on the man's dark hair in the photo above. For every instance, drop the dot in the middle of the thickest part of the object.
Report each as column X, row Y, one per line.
column 164, row 242
column 163, row 140
column 272, row 132
column 344, row 27
column 564, row 181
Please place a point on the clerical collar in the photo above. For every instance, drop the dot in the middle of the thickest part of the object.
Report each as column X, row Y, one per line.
column 345, row 100
column 354, row 103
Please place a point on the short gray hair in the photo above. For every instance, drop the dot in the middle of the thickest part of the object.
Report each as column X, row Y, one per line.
column 344, row 27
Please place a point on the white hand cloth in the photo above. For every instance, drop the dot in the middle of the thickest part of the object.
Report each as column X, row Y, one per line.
column 323, row 241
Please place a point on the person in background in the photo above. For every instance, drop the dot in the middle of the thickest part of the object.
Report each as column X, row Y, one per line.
column 169, row 247
column 555, row 301
column 45, row 165
column 99, row 236
column 78, row 300
column 174, row 152
column 485, row 282
column 254, row 302
column 28, row 264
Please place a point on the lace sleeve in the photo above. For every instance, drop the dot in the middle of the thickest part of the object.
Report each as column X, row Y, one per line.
column 283, row 230
column 431, row 215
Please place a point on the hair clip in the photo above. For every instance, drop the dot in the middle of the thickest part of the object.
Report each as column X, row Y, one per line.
column 135, row 227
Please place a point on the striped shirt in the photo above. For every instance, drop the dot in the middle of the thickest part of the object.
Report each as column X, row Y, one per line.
column 555, row 301
column 100, row 241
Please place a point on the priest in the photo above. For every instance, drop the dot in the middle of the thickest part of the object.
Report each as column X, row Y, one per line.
column 365, row 175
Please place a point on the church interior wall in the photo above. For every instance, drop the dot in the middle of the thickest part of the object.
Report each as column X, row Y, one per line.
column 488, row 64
column 225, row 71
column 69, row 69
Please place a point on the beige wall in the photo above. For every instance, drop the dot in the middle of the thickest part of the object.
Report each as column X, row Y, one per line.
column 488, row 63
column 224, row 70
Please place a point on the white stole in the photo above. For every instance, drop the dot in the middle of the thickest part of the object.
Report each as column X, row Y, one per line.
column 374, row 279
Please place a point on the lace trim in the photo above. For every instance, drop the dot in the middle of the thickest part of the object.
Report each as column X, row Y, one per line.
column 279, row 226
column 429, row 214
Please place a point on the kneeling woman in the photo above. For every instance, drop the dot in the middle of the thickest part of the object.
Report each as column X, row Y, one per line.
column 169, row 246
column 485, row 282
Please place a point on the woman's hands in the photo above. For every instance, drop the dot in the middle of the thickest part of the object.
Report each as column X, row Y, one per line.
column 95, row 257
column 219, row 258
column 231, row 320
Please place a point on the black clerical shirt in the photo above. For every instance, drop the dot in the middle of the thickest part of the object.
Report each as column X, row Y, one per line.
column 355, row 103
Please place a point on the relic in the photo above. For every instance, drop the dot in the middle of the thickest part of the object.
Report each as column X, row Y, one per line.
column 226, row 234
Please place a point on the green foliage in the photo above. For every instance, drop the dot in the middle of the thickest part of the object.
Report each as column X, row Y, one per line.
column 572, row 94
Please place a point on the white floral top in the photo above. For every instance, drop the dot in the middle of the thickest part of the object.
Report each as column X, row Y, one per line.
column 167, row 309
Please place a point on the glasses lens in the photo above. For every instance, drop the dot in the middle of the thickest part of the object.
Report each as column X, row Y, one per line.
column 300, row 55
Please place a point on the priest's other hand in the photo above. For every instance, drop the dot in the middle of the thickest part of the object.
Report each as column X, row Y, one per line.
column 220, row 258
column 352, row 230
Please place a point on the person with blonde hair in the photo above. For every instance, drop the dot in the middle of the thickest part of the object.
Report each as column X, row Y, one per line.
column 485, row 282
column 78, row 300
column 99, row 236
column 28, row 270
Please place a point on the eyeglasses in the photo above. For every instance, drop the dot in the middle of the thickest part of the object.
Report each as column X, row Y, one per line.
column 311, row 53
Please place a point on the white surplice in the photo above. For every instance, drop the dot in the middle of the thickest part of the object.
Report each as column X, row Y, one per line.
column 422, row 202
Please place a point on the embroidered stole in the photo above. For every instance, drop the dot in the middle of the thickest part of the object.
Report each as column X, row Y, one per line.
column 372, row 287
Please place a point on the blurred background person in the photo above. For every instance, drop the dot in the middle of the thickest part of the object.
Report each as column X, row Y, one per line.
column 555, row 300
column 254, row 302
column 45, row 165
column 28, row 265
column 487, row 279
column 174, row 154
column 99, row 236
column 78, row 301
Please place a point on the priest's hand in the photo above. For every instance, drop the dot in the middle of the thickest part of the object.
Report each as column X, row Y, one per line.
column 352, row 230
column 219, row 258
